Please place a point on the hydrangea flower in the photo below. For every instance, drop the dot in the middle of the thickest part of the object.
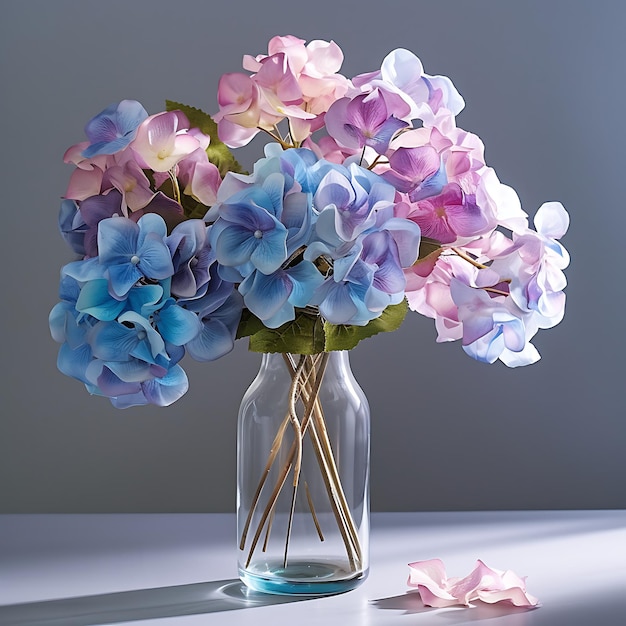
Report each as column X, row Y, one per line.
column 363, row 121
column 219, row 311
column 162, row 141
column 114, row 128
column 128, row 252
column 391, row 201
column 248, row 231
column 294, row 81
column 273, row 298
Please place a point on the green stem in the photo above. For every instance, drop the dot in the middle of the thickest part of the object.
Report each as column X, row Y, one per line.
column 284, row 145
column 175, row 187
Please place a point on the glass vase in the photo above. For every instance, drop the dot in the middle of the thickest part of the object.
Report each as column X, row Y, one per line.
column 303, row 477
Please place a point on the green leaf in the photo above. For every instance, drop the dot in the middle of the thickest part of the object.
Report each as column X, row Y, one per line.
column 428, row 247
column 305, row 335
column 218, row 152
column 344, row 337
column 249, row 325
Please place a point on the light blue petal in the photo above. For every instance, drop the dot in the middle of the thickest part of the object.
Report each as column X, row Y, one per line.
column 111, row 385
column 105, row 147
column 133, row 371
column 230, row 311
column 298, row 219
column 214, row 341
column 76, row 331
column 122, row 278
column 96, row 300
column 344, row 264
column 305, row 278
column 151, row 224
column 267, row 294
column 58, row 319
column 155, row 260
column 334, row 189
column 187, row 239
column 177, row 325
column 407, row 235
column 389, row 277
column 271, row 250
column 381, row 193
column 150, row 343
column 69, row 288
column 82, row 271
column 325, row 228
column 130, row 400
column 285, row 314
column 117, row 240
column 215, row 297
column 234, row 274
column 111, row 341
column 129, row 115
column 350, row 223
column 274, row 187
column 316, row 249
column 336, row 303
column 251, row 215
column 144, row 298
column 376, row 300
column 234, row 245
column 164, row 391
column 74, row 363
column 487, row 349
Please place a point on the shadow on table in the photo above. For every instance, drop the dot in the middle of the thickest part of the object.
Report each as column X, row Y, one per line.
column 127, row 606
column 411, row 603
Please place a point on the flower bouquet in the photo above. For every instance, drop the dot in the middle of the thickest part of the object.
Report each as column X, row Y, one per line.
column 369, row 201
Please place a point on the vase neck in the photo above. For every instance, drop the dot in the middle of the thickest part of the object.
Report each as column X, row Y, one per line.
column 336, row 359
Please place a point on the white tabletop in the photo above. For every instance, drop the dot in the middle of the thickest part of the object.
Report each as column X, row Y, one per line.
column 71, row 570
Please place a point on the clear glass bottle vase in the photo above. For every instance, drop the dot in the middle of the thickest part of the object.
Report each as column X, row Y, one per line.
column 303, row 477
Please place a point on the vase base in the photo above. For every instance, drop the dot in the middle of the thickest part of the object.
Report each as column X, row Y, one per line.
column 304, row 578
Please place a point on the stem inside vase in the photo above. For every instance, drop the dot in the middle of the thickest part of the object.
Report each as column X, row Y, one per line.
column 312, row 473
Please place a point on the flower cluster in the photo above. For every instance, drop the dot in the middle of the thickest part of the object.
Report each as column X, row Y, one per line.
column 368, row 197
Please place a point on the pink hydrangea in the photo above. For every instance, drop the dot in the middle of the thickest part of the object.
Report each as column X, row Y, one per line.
column 293, row 81
column 162, row 141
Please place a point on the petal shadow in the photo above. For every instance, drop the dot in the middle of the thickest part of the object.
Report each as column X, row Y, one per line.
column 409, row 602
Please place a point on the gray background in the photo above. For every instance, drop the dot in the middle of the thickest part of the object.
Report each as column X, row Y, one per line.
column 545, row 87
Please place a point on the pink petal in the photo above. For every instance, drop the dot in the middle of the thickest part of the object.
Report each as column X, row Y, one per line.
column 514, row 595
column 430, row 578
column 481, row 577
column 325, row 57
column 234, row 135
column 301, row 129
column 160, row 143
column 293, row 48
column 204, row 183
column 84, row 183
column 252, row 64
column 438, row 601
column 482, row 583
column 276, row 76
column 74, row 154
column 235, row 89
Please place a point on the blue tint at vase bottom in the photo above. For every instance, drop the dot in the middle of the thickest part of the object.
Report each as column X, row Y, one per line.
column 303, row 579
